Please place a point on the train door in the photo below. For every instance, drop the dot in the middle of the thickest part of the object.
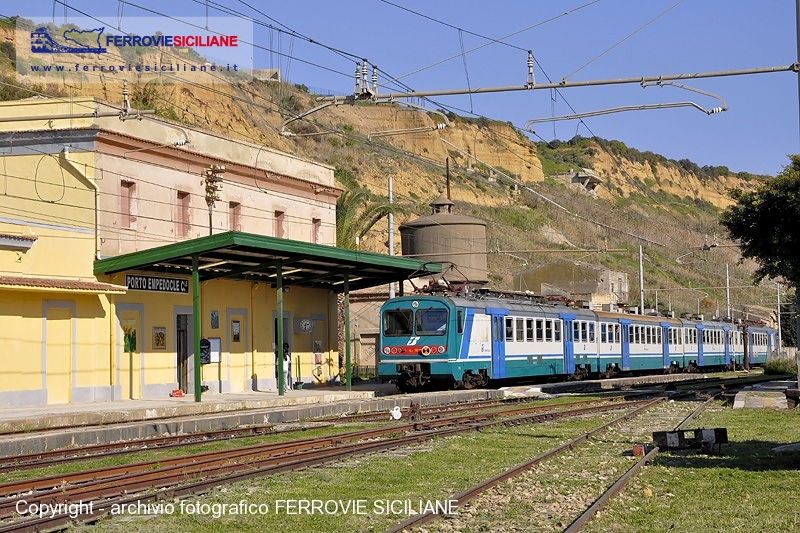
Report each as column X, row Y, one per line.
column 700, row 358
column 498, row 342
column 626, row 343
column 665, row 343
column 771, row 341
column 569, row 343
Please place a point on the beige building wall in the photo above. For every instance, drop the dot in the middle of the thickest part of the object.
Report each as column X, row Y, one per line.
column 81, row 184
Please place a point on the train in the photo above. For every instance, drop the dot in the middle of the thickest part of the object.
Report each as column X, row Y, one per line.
column 466, row 340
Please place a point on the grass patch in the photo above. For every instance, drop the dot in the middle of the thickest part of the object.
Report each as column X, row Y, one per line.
column 746, row 488
column 433, row 470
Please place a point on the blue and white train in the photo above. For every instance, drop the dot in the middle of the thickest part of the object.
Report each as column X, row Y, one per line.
column 469, row 341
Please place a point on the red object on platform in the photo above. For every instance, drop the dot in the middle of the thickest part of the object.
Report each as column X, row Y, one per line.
column 177, row 393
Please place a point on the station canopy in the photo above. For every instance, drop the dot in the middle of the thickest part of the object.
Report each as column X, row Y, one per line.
column 256, row 258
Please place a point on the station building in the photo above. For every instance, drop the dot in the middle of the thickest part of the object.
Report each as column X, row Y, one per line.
column 114, row 270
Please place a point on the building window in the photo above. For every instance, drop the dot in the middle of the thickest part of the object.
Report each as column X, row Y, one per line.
column 127, row 209
column 280, row 217
column 183, row 220
column 235, row 216
column 316, row 230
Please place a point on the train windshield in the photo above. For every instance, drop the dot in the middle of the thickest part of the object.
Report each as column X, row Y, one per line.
column 397, row 322
column 431, row 321
column 402, row 322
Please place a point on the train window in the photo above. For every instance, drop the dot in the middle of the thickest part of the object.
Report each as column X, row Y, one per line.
column 431, row 321
column 509, row 329
column 548, row 330
column 617, row 333
column 520, row 330
column 460, row 318
column 397, row 322
column 583, row 332
column 529, row 330
column 557, row 331
column 576, row 331
column 648, row 335
column 540, row 330
column 591, row 331
column 603, row 335
column 658, row 335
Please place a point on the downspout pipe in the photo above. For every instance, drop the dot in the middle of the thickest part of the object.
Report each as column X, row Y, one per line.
column 73, row 166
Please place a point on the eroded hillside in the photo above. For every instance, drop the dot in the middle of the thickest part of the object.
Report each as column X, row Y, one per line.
column 496, row 173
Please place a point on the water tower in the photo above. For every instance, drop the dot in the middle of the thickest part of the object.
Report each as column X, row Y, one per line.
column 443, row 237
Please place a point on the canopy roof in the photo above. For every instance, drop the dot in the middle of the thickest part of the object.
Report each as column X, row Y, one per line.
column 257, row 258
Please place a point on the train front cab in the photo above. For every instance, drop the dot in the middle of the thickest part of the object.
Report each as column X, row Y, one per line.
column 418, row 340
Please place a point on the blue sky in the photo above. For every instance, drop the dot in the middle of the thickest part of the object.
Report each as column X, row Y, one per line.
column 443, row 45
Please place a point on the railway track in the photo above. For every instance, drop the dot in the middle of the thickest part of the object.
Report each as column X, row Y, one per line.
column 414, row 414
column 152, row 481
column 568, row 484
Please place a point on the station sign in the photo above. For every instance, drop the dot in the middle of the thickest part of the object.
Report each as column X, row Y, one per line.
column 156, row 284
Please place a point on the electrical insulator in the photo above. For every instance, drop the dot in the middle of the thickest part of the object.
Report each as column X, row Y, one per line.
column 213, row 182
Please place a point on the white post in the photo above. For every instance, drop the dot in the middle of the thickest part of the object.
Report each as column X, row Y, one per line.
column 727, row 293
column 391, row 234
column 641, row 282
column 780, row 340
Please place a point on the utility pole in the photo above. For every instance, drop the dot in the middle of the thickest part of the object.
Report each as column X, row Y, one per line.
column 391, row 232
column 780, row 340
column 641, row 279
column 746, row 345
column 213, row 184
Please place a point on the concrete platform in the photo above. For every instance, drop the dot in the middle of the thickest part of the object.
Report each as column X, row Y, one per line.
column 602, row 385
column 770, row 394
column 75, row 425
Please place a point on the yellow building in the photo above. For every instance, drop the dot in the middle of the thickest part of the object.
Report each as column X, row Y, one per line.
column 116, row 278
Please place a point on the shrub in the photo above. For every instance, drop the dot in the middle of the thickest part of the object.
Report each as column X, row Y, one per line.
column 781, row 366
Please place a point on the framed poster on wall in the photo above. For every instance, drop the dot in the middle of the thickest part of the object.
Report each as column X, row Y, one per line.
column 159, row 338
column 216, row 349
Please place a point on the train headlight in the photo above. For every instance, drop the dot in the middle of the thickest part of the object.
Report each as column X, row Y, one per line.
column 441, row 349
column 426, row 350
column 386, row 350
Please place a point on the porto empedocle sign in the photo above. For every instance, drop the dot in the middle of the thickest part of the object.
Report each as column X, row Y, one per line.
column 156, row 284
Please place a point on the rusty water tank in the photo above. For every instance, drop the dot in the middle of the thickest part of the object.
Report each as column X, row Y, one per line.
column 444, row 237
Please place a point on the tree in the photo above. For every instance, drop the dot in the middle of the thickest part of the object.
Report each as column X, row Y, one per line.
column 357, row 211
column 764, row 224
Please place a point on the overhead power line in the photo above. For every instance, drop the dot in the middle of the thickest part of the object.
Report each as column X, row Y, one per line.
column 794, row 67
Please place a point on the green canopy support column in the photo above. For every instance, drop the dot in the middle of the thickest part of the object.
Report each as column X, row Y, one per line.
column 279, row 333
column 348, row 372
column 198, row 371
